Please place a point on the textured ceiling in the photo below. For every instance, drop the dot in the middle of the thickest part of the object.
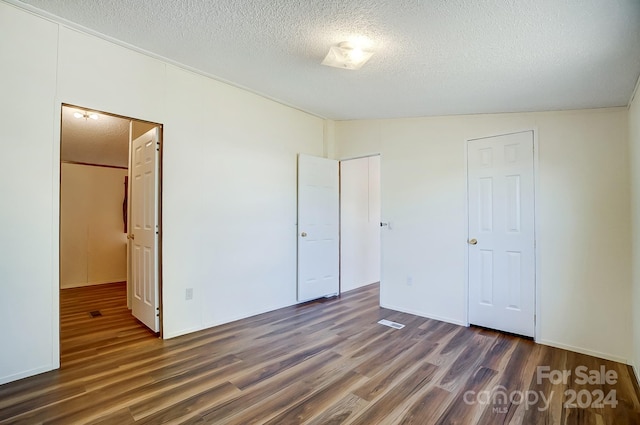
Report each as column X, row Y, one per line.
column 104, row 141
column 433, row 57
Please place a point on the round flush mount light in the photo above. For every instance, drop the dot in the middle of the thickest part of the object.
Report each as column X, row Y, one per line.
column 347, row 55
column 86, row 115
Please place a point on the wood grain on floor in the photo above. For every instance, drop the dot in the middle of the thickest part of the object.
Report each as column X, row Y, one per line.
column 324, row 362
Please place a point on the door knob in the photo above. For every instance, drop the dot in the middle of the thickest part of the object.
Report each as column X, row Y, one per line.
column 131, row 236
column 473, row 241
column 303, row 234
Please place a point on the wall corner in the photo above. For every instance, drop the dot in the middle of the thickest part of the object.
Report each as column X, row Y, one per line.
column 329, row 139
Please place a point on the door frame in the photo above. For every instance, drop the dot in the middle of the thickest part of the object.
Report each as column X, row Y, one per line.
column 536, row 249
column 57, row 176
column 351, row 158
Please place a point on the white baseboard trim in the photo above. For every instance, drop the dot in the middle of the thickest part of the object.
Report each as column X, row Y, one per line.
column 175, row 334
column 25, row 374
column 581, row 350
column 358, row 286
column 223, row 321
column 635, row 372
column 100, row 282
column 421, row 314
column 606, row 356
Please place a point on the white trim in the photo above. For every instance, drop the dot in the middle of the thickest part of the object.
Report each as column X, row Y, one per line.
column 27, row 373
column 94, row 283
column 465, row 146
column 536, row 250
column 534, row 131
column 340, row 161
column 55, row 240
column 633, row 95
column 227, row 319
column 57, row 172
column 507, row 133
column 427, row 316
column 129, row 255
column 580, row 350
column 182, row 332
column 77, row 27
column 351, row 158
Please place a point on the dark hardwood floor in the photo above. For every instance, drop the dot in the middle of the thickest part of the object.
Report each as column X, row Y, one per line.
column 326, row 362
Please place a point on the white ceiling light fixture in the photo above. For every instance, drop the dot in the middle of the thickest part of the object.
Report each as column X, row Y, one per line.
column 347, row 55
column 86, row 115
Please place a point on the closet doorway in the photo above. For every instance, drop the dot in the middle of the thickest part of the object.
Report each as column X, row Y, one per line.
column 109, row 283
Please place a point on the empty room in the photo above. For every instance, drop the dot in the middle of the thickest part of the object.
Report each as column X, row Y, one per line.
column 335, row 212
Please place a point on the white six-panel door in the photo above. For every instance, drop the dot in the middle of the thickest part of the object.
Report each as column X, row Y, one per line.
column 144, row 229
column 318, row 227
column 501, row 233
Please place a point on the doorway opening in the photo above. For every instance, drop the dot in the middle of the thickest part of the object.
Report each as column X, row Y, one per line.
column 360, row 222
column 338, row 225
column 110, row 175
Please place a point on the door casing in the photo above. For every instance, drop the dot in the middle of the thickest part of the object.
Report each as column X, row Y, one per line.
column 57, row 143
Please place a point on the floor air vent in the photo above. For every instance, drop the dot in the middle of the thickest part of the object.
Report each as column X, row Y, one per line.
column 95, row 313
column 391, row 324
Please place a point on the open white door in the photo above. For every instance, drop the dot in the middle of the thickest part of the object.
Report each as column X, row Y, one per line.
column 501, row 233
column 318, row 228
column 143, row 233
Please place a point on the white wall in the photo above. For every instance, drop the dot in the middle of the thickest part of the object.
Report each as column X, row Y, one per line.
column 93, row 245
column 229, row 197
column 229, row 214
column 28, row 287
column 583, row 219
column 359, row 222
column 634, row 143
column 229, row 183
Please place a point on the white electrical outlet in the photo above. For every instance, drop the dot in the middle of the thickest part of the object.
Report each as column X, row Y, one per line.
column 188, row 294
column 409, row 280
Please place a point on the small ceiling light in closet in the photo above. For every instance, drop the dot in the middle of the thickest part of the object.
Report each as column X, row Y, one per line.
column 86, row 115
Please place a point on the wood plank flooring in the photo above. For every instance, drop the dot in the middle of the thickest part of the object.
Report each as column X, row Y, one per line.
column 325, row 362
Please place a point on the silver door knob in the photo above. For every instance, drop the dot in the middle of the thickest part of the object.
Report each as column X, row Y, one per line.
column 473, row 241
column 303, row 234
